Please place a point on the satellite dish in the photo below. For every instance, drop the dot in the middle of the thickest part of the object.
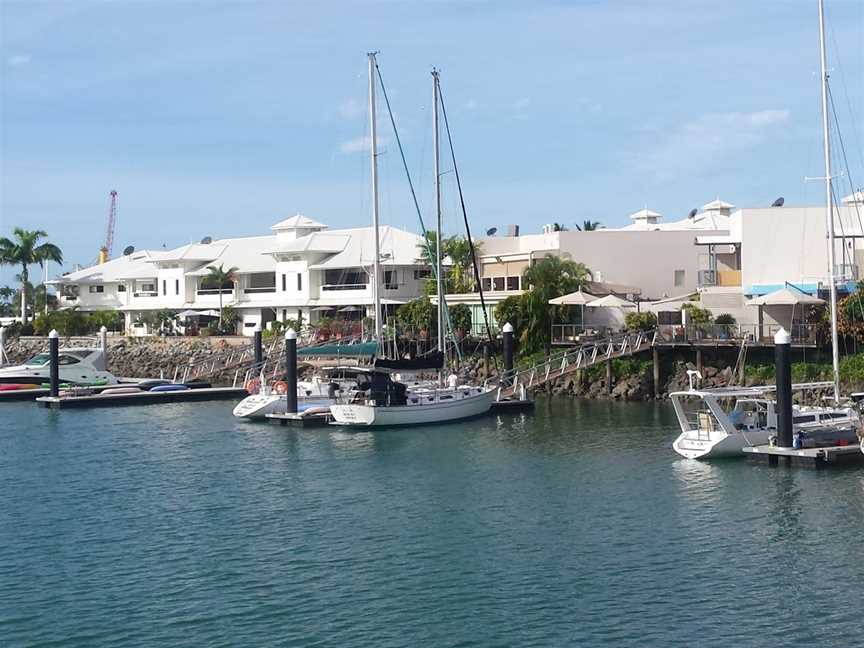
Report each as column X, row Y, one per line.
column 779, row 202
column 129, row 250
column 491, row 231
column 692, row 213
column 207, row 240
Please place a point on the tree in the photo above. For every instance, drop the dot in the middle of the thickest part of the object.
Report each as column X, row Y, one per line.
column 418, row 314
column 459, row 277
column 460, row 318
column 24, row 249
column 510, row 310
column 589, row 226
column 640, row 321
column 548, row 278
column 220, row 277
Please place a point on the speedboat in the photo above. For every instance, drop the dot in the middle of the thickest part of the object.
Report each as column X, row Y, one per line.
column 271, row 399
column 380, row 401
column 76, row 366
column 721, row 422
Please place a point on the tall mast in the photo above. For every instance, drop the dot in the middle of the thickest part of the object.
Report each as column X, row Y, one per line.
column 376, row 263
column 439, row 277
column 829, row 202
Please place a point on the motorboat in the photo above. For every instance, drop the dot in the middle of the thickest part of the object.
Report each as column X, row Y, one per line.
column 76, row 366
column 721, row 422
column 380, row 401
column 271, row 398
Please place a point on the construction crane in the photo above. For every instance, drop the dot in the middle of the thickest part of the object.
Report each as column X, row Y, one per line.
column 105, row 250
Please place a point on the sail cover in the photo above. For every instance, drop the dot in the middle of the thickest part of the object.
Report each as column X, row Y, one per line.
column 430, row 361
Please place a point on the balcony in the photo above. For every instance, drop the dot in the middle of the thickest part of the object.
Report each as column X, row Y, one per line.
column 846, row 272
column 721, row 278
column 258, row 291
column 145, row 293
column 734, row 334
column 359, row 286
column 214, row 291
column 706, row 278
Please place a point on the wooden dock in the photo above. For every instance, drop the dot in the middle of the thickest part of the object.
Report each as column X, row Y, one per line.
column 825, row 457
column 143, row 398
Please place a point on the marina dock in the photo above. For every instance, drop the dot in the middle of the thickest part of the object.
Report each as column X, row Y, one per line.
column 843, row 455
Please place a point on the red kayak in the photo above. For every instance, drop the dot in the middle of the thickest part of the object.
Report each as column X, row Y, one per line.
column 15, row 386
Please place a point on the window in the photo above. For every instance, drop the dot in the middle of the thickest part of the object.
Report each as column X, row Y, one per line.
column 487, row 283
column 67, row 360
column 284, row 283
column 512, row 283
column 97, row 289
column 121, row 287
column 679, row 278
column 391, row 281
column 148, row 287
column 164, row 287
column 422, row 273
column 176, row 286
column 299, row 281
column 498, row 283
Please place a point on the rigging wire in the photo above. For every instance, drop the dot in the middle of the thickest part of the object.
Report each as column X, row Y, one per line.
column 465, row 217
column 423, row 229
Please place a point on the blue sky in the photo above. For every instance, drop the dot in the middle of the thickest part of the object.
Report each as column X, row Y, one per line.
column 220, row 118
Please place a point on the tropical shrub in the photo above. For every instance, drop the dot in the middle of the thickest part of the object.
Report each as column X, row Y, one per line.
column 640, row 321
column 460, row 318
column 510, row 310
column 725, row 319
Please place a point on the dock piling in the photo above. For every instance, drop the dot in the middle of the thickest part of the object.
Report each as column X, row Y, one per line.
column 507, row 334
column 656, row 359
column 608, row 376
column 259, row 353
column 54, row 356
column 783, row 373
column 291, row 369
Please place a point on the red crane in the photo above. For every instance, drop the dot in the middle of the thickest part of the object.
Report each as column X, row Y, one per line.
column 112, row 218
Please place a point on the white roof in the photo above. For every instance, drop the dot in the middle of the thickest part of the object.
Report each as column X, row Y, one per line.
column 320, row 242
column 645, row 213
column 717, row 204
column 193, row 252
column 298, row 221
column 611, row 301
column 134, row 266
column 855, row 197
column 243, row 253
column 397, row 246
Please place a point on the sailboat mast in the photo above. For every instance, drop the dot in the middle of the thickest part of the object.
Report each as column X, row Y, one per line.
column 439, row 277
column 829, row 202
column 373, row 147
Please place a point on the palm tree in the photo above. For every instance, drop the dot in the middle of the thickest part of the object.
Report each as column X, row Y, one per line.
column 548, row 278
column 24, row 249
column 218, row 276
column 589, row 226
column 461, row 263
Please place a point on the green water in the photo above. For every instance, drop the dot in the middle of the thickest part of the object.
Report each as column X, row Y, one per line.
column 576, row 525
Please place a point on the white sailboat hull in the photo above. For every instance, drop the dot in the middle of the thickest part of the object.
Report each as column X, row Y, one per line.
column 723, row 446
column 414, row 414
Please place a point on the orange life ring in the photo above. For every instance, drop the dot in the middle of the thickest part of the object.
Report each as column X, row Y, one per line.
column 252, row 385
column 280, row 387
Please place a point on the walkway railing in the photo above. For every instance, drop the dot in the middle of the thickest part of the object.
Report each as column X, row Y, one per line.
column 802, row 334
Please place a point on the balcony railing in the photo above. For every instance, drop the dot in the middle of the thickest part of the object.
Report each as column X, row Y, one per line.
column 344, row 286
column 255, row 291
column 145, row 293
column 706, row 278
column 846, row 271
column 214, row 291
column 802, row 334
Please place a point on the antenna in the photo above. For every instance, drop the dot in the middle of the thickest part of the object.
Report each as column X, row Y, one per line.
column 491, row 231
column 779, row 202
column 207, row 240
column 128, row 250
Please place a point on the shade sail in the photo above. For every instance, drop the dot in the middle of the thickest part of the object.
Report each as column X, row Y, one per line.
column 611, row 301
column 577, row 298
column 788, row 296
column 340, row 350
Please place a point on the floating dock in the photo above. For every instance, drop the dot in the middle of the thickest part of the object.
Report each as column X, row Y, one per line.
column 843, row 455
column 143, row 398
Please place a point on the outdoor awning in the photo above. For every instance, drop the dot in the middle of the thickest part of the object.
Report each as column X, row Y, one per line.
column 350, row 309
column 610, row 301
column 788, row 296
column 577, row 298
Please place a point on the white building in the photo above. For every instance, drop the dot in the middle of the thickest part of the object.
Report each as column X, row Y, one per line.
column 300, row 271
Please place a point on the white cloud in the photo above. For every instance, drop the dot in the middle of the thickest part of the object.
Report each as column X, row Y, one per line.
column 360, row 144
column 709, row 138
column 351, row 109
column 18, row 59
column 471, row 104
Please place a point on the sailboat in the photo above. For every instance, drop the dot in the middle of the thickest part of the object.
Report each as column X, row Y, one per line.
column 726, row 420
column 380, row 400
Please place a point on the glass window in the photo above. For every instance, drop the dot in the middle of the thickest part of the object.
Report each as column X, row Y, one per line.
column 299, row 281
column 512, row 283
column 422, row 273
column 487, row 283
column 39, row 359
column 121, row 287
column 97, row 289
column 164, row 287
column 391, row 282
column 67, row 360
column 284, row 284
column 498, row 283
column 176, row 286
column 679, row 278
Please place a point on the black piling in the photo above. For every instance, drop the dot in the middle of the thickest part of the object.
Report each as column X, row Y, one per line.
column 54, row 355
column 783, row 373
column 291, row 369
column 259, row 351
column 508, row 348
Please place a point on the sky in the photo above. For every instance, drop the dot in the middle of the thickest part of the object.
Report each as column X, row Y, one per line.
column 222, row 118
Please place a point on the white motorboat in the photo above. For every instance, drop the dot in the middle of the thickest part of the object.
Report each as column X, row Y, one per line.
column 271, row 399
column 382, row 402
column 721, row 422
column 76, row 365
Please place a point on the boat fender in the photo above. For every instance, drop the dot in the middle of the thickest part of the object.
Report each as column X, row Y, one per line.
column 280, row 387
column 252, row 386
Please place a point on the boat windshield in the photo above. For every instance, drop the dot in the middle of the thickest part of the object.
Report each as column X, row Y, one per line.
column 749, row 413
column 38, row 360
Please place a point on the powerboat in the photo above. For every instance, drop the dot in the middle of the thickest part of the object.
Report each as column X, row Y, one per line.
column 76, row 365
column 721, row 422
column 272, row 399
column 380, row 401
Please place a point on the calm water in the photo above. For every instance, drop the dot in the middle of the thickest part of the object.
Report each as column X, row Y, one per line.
column 177, row 526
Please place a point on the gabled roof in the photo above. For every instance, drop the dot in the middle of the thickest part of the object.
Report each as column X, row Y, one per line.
column 717, row 204
column 193, row 252
column 244, row 253
column 320, row 242
column 645, row 213
column 134, row 266
column 298, row 221
column 397, row 247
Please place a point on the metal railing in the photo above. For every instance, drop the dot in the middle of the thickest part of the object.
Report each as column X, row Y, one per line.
column 265, row 289
column 344, row 286
column 572, row 334
column 214, row 291
column 706, row 278
column 802, row 334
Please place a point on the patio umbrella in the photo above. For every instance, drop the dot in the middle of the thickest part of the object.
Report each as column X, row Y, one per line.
column 210, row 313
column 350, row 309
column 322, row 308
column 788, row 296
column 610, row 301
column 577, row 298
column 187, row 313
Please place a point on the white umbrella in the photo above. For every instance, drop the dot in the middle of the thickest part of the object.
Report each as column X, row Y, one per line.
column 610, row 301
column 188, row 313
column 577, row 298
column 210, row 313
column 788, row 296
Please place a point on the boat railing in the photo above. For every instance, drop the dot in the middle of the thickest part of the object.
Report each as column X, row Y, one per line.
column 701, row 423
